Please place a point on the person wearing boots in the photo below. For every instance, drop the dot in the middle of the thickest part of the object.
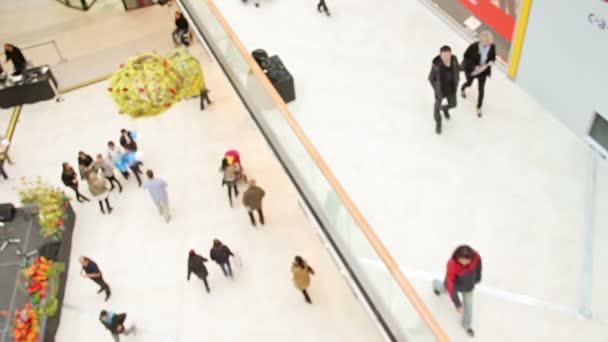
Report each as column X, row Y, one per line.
column 221, row 254
column 108, row 171
column 115, row 323
column 196, row 265
column 444, row 78
column 69, row 179
column 91, row 270
column 463, row 273
column 98, row 188
column 301, row 276
column 252, row 199
column 477, row 64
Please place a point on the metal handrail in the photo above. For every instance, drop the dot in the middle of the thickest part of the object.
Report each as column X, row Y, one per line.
column 54, row 43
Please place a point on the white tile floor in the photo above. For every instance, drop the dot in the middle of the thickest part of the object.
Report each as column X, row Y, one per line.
column 144, row 259
column 511, row 184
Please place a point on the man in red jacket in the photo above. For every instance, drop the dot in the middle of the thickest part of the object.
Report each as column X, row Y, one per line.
column 463, row 273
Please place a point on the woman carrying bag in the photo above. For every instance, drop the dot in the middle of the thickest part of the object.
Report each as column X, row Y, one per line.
column 477, row 64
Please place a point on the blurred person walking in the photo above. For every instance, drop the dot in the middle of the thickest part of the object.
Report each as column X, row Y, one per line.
column 91, row 270
column 115, row 323
column 463, row 273
column 2, row 172
column 158, row 191
column 322, row 7
column 477, row 64
column 301, row 272
column 229, row 177
column 221, row 254
column 108, row 171
column 196, row 265
column 205, row 97
column 99, row 189
column 69, row 179
column 252, row 199
column 444, row 78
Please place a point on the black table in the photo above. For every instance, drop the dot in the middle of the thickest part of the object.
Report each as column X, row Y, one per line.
column 36, row 86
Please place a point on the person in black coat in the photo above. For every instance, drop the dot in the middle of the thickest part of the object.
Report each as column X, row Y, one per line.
column 477, row 64
column 126, row 140
column 220, row 253
column 85, row 163
column 444, row 78
column 181, row 28
column 14, row 54
column 69, row 178
column 115, row 323
column 196, row 265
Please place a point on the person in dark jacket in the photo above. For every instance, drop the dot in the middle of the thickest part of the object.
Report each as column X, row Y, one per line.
column 69, row 179
column 463, row 273
column 85, row 164
column 14, row 54
column 127, row 141
column 115, row 323
column 181, row 28
column 220, row 253
column 477, row 64
column 444, row 78
column 196, row 265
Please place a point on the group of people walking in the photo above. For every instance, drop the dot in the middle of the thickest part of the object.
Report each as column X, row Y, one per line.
column 232, row 173
column 444, row 76
column 99, row 173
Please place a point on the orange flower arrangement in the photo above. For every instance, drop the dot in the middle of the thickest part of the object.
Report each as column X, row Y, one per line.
column 37, row 279
column 26, row 324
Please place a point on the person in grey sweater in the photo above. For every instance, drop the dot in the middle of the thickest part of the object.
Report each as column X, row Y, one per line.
column 108, row 171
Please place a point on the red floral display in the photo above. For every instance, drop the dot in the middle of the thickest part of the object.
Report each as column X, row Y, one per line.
column 26, row 324
column 37, row 279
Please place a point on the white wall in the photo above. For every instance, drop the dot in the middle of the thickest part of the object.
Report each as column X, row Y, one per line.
column 564, row 61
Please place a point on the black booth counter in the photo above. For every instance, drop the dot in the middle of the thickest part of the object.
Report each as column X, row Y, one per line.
column 37, row 84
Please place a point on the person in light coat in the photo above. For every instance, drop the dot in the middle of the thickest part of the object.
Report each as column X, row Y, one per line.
column 252, row 199
column 98, row 188
column 108, row 171
column 301, row 272
column 230, row 177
